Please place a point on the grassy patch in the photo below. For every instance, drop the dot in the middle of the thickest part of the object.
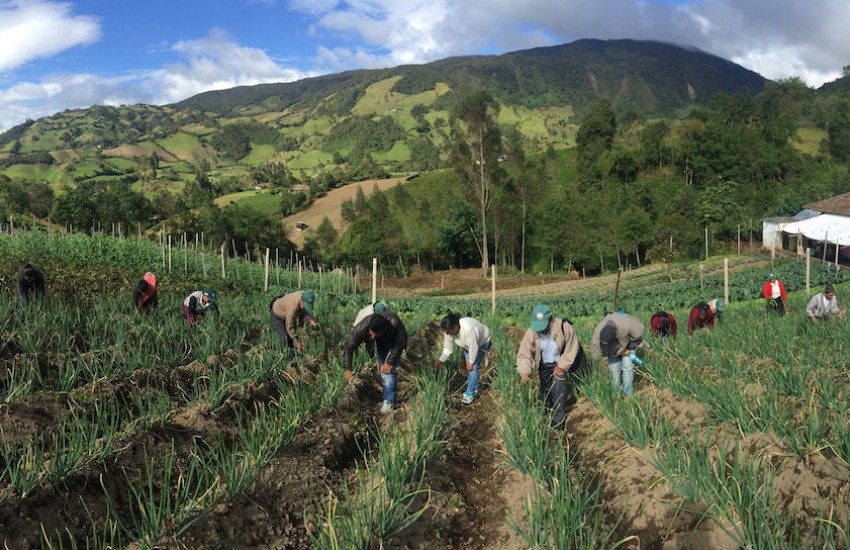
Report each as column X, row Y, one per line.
column 808, row 140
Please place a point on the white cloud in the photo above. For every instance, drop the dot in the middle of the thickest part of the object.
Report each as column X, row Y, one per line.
column 777, row 38
column 216, row 62
column 32, row 29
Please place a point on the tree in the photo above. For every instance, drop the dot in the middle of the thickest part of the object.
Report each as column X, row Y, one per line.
column 475, row 153
column 595, row 136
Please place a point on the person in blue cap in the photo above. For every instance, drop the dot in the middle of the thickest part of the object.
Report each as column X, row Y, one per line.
column 364, row 312
column 289, row 312
column 550, row 347
column 197, row 304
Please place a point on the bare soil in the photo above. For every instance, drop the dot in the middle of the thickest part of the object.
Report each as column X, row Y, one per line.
column 470, row 494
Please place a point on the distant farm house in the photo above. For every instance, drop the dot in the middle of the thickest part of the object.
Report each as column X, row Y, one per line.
column 261, row 185
column 822, row 228
column 299, row 188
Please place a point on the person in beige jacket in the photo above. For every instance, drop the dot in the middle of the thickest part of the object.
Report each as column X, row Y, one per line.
column 289, row 312
column 616, row 337
column 552, row 348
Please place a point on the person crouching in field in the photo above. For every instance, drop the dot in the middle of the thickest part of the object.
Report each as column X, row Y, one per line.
column 145, row 297
column 616, row 336
column 662, row 324
column 550, row 347
column 288, row 312
column 774, row 295
column 197, row 304
column 30, row 282
column 385, row 333
column 473, row 337
column 824, row 305
column 701, row 317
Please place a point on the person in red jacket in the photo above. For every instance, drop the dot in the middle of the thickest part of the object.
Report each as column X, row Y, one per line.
column 145, row 297
column 774, row 294
column 662, row 324
column 701, row 317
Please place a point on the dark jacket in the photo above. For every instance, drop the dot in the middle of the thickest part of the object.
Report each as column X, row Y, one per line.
column 36, row 286
column 395, row 337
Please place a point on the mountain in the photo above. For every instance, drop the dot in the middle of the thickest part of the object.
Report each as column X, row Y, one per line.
column 355, row 123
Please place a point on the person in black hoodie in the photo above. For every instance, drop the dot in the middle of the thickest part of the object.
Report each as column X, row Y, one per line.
column 30, row 282
column 386, row 332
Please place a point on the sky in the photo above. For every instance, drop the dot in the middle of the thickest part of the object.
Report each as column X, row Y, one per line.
column 57, row 55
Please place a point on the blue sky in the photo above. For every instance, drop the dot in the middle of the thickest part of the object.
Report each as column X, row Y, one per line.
column 68, row 54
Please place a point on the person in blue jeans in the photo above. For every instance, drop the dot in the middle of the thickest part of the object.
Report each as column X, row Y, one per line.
column 616, row 336
column 473, row 337
column 385, row 333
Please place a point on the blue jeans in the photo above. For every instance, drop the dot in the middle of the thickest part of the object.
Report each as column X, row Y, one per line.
column 473, row 379
column 383, row 351
column 627, row 367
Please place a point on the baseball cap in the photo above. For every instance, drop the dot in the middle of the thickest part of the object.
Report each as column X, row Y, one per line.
column 540, row 317
column 379, row 307
column 308, row 297
column 210, row 293
column 720, row 305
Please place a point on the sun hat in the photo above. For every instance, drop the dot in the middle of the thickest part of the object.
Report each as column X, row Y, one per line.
column 540, row 316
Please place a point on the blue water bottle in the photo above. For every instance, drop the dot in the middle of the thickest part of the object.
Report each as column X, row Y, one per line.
column 635, row 359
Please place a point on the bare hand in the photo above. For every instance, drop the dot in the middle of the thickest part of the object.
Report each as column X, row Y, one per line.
column 298, row 345
column 469, row 367
column 559, row 372
column 313, row 323
column 386, row 368
column 523, row 378
column 348, row 375
column 627, row 352
column 438, row 364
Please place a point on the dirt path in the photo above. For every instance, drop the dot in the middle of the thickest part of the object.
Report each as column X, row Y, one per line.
column 329, row 206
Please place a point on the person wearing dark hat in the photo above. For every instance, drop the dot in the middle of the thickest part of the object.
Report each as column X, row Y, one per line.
column 824, row 305
column 550, row 347
column 145, row 297
column 701, row 316
column 662, row 324
column 385, row 333
column 377, row 307
column 288, row 313
column 30, row 282
column 473, row 337
column 198, row 304
column 616, row 337
column 774, row 295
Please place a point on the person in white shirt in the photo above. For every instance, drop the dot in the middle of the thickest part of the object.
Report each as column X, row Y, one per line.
column 824, row 305
column 474, row 338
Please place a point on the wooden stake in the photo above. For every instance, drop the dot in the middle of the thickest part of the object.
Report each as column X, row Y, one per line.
column 617, row 289
column 726, row 280
column 374, row 280
column 299, row 273
column 169, row 253
column 493, row 291
column 266, row 277
column 808, row 272
column 223, row 248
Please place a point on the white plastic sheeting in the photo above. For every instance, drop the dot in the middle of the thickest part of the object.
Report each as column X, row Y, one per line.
column 826, row 227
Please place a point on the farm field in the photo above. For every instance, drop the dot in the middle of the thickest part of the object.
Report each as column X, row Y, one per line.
column 119, row 430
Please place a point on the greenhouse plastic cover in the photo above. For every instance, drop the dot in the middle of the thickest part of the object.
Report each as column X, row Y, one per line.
column 826, row 227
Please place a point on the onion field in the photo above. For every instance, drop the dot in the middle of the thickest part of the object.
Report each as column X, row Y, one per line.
column 124, row 430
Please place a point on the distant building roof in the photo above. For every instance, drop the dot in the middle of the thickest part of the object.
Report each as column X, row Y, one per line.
column 838, row 205
column 299, row 188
